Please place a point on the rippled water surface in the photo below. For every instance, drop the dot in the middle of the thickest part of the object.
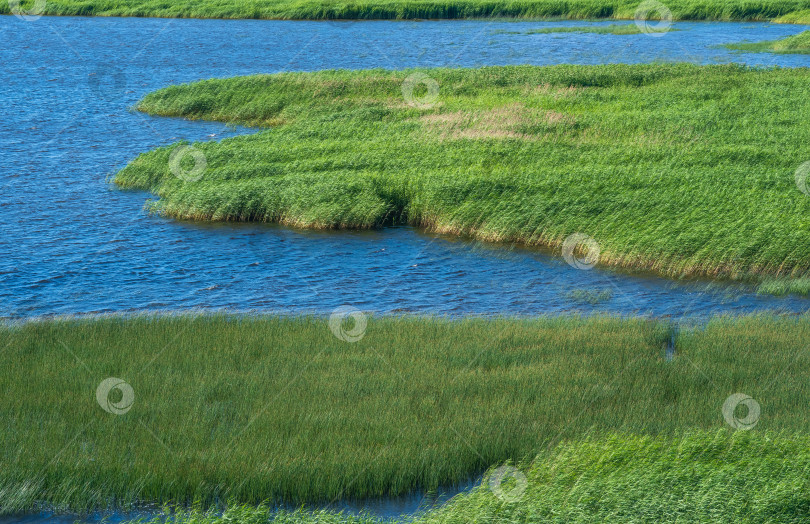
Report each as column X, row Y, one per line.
column 72, row 243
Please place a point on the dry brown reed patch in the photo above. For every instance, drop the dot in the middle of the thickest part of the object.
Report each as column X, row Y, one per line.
column 509, row 121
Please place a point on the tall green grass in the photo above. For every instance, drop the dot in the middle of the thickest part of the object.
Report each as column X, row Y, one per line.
column 794, row 11
column 678, row 169
column 795, row 44
column 696, row 477
column 257, row 409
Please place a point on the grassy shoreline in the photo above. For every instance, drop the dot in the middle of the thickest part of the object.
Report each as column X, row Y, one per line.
column 655, row 162
column 257, row 409
column 789, row 11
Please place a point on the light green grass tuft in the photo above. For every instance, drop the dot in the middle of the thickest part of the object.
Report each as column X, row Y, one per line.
column 801, row 16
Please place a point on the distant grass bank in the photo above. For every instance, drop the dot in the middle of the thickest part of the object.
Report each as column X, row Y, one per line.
column 796, row 44
column 792, row 11
column 697, row 477
column 257, row 409
column 678, row 169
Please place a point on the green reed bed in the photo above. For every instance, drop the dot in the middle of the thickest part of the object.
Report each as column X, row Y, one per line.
column 696, row 477
column 793, row 11
column 796, row 44
column 256, row 409
column 700, row 477
column 677, row 169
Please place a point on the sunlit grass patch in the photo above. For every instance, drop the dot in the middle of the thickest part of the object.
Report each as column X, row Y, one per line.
column 801, row 16
column 698, row 477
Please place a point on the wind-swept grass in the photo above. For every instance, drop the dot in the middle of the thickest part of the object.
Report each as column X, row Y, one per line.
column 257, row 409
column 796, row 44
column 678, row 169
column 696, row 477
column 793, row 11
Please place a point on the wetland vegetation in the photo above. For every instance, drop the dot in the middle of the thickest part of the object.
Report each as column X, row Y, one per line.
column 258, row 409
column 791, row 11
column 678, row 169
